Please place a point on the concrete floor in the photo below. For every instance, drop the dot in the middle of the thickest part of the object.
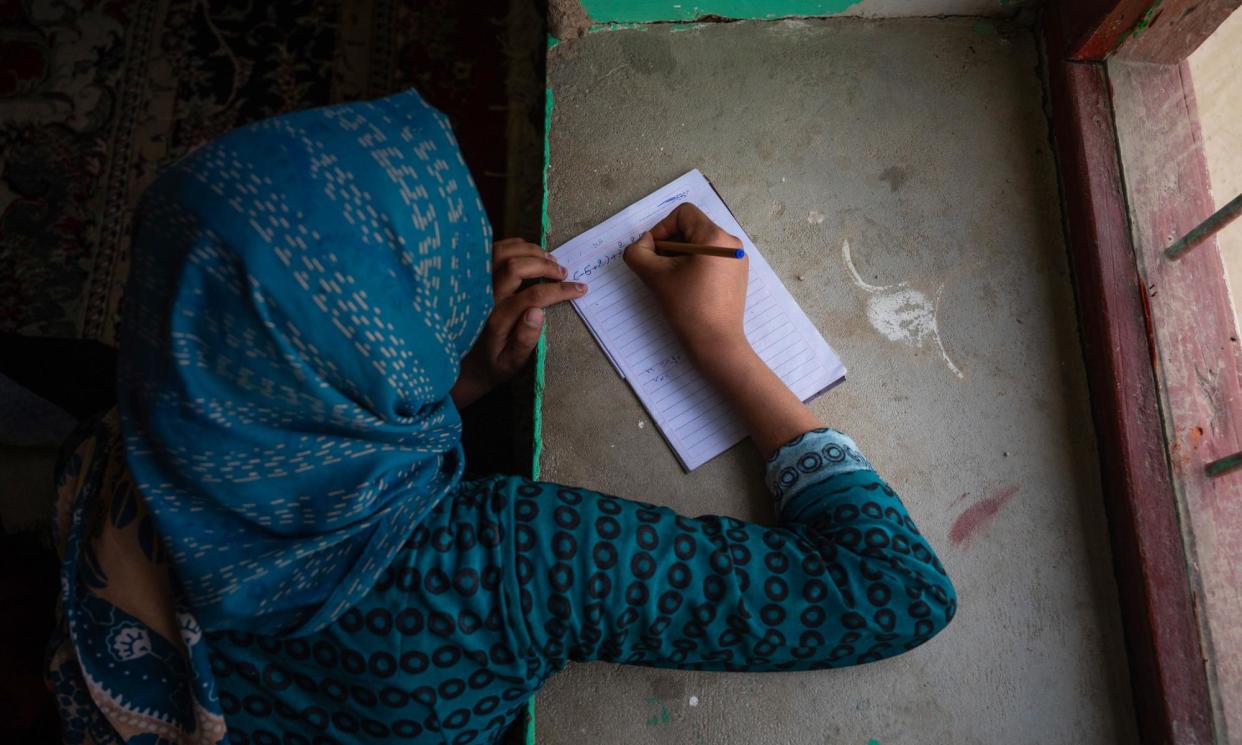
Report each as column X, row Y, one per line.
column 1216, row 69
column 923, row 144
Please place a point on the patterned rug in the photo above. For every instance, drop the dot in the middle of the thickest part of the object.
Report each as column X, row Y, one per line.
column 98, row 96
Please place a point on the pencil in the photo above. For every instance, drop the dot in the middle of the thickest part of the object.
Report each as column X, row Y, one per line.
column 700, row 249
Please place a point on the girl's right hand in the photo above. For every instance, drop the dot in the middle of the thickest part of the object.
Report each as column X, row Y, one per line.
column 703, row 297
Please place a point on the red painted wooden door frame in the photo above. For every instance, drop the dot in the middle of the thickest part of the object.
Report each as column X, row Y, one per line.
column 1089, row 29
column 1165, row 644
column 1159, row 31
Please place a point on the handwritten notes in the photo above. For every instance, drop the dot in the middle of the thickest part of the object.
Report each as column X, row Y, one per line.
column 622, row 315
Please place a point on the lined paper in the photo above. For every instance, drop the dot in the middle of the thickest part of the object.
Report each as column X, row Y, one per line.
column 624, row 317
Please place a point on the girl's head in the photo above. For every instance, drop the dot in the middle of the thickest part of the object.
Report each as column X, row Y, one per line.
column 302, row 293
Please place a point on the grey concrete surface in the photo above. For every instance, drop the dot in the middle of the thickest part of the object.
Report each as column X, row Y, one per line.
column 924, row 146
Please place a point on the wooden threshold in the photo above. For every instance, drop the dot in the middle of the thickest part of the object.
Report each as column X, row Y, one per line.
column 1163, row 640
column 1199, row 360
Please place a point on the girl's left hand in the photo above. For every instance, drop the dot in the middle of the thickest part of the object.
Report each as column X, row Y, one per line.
column 512, row 330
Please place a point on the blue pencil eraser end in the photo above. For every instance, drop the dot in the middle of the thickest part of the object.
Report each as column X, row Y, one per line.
column 739, row 254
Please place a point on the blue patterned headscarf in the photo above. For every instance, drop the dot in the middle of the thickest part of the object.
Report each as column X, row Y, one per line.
column 301, row 293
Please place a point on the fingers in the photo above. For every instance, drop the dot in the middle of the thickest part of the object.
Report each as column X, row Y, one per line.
column 683, row 222
column 522, row 341
column 549, row 293
column 511, row 248
column 688, row 223
column 640, row 256
column 508, row 310
column 516, row 320
column 509, row 274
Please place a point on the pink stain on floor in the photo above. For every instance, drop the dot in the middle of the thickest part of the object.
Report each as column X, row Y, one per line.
column 979, row 515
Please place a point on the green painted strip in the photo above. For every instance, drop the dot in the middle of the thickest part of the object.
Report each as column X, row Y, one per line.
column 650, row 11
column 541, row 351
column 545, row 225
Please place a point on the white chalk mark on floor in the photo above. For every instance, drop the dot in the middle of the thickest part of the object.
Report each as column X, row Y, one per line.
column 936, row 331
column 858, row 280
column 901, row 313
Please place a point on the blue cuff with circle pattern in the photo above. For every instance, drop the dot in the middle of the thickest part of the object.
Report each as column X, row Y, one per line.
column 809, row 459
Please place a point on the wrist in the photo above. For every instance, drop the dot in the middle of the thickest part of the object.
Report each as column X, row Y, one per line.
column 722, row 355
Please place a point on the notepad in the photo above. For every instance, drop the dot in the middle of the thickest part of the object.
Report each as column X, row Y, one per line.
column 624, row 317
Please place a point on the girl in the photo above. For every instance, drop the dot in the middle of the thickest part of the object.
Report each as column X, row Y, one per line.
column 270, row 539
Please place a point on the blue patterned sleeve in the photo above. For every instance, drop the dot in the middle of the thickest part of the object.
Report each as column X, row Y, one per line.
column 809, row 459
column 507, row 580
column 827, row 491
column 845, row 579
